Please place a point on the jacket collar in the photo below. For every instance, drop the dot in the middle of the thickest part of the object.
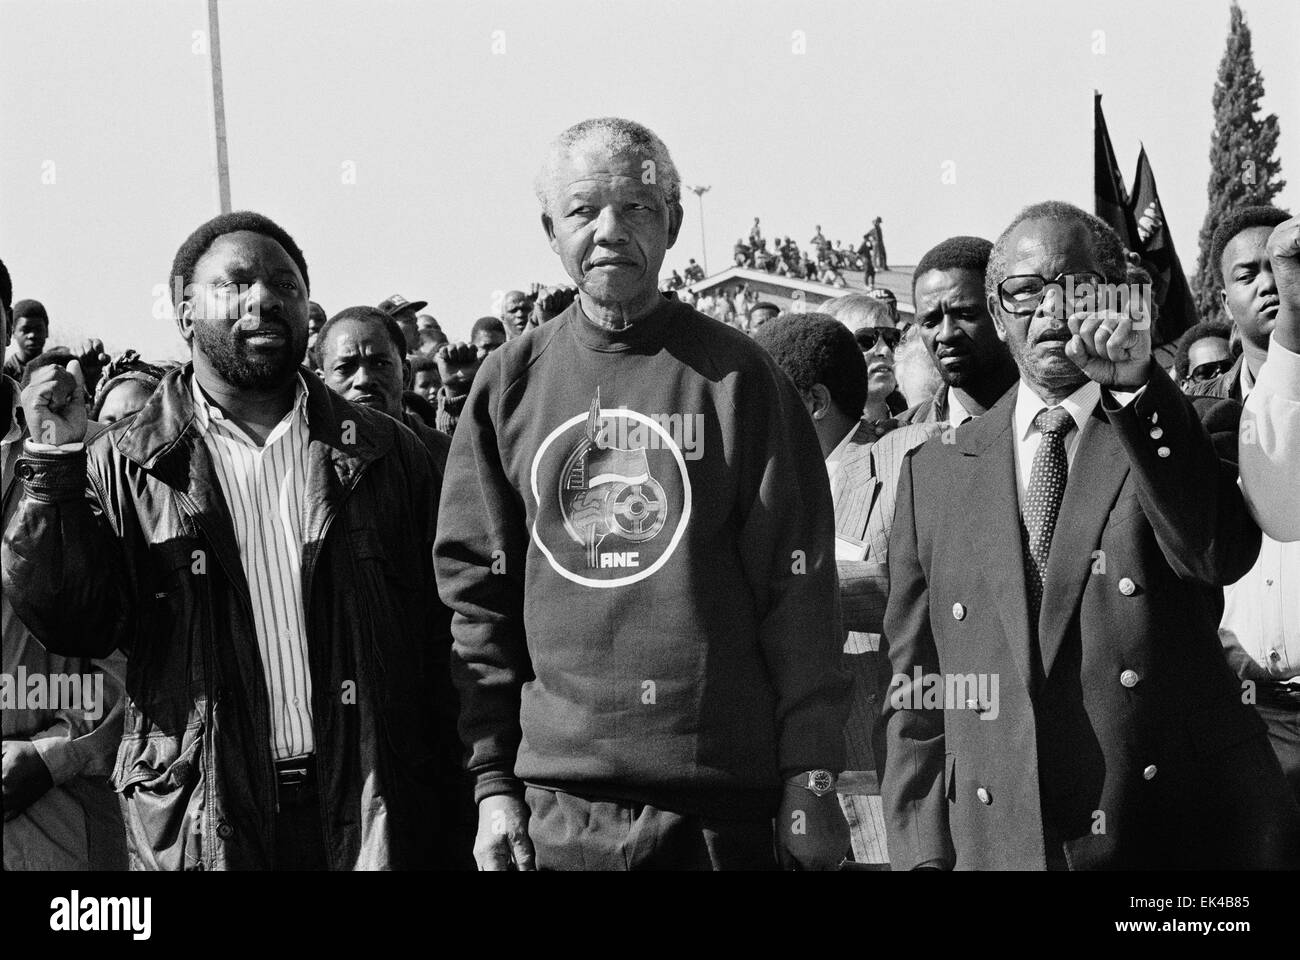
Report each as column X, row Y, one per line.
column 157, row 436
column 974, row 436
column 343, row 439
column 858, row 447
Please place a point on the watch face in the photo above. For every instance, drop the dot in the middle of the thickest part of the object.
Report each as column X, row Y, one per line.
column 821, row 781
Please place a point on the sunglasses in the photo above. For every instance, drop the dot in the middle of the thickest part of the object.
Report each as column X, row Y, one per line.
column 1208, row 371
column 868, row 337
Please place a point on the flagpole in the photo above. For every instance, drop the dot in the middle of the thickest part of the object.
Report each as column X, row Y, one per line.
column 218, row 108
column 1095, row 94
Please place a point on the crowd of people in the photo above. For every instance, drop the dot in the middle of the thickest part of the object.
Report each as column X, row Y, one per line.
column 623, row 583
column 823, row 261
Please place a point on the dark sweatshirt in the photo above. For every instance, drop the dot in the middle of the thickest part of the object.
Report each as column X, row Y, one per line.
column 645, row 615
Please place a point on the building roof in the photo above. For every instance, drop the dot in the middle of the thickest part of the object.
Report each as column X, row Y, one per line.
column 783, row 291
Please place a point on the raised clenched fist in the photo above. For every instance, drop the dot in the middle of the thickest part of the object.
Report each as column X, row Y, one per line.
column 54, row 403
column 1284, row 253
column 458, row 364
column 1114, row 349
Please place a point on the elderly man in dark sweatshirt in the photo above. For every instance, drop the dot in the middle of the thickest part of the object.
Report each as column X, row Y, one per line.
column 636, row 536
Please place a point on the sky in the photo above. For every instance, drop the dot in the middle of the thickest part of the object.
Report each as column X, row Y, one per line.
column 397, row 141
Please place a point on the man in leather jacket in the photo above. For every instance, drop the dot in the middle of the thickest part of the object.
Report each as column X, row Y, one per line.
column 260, row 549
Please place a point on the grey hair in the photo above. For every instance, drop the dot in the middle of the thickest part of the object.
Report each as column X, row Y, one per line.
column 1105, row 241
column 914, row 370
column 611, row 136
column 856, row 310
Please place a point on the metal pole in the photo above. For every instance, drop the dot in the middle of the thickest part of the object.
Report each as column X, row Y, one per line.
column 704, row 249
column 218, row 108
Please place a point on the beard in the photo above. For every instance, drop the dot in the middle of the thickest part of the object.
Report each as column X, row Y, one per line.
column 244, row 367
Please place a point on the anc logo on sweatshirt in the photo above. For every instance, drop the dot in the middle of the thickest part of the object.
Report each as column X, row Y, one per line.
column 613, row 496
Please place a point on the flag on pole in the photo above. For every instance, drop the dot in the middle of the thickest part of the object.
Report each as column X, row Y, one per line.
column 1112, row 201
column 1176, row 310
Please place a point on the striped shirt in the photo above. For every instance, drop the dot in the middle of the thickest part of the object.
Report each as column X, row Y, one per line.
column 265, row 489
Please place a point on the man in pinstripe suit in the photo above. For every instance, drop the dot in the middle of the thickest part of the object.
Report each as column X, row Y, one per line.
column 821, row 356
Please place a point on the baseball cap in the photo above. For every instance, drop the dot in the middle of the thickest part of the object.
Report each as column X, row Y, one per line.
column 397, row 303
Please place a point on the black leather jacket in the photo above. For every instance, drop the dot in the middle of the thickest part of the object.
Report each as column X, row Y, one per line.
column 131, row 545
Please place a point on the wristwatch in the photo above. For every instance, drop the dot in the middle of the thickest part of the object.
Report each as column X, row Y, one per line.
column 817, row 782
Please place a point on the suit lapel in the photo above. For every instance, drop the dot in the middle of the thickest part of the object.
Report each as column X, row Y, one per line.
column 856, row 486
column 1096, row 476
column 993, row 509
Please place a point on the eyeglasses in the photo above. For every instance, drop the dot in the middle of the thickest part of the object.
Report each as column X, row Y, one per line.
column 1024, row 292
column 1208, row 371
column 868, row 337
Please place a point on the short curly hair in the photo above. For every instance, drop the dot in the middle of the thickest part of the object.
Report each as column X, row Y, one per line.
column 1241, row 219
column 955, row 253
column 816, row 348
column 488, row 325
column 1106, row 244
column 1201, row 331
column 198, row 243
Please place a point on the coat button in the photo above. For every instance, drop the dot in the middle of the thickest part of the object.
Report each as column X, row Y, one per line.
column 1156, row 433
column 1127, row 586
column 984, row 796
column 1149, row 773
column 225, row 831
column 25, row 471
column 1129, row 678
column 958, row 612
column 1155, row 417
column 1162, row 452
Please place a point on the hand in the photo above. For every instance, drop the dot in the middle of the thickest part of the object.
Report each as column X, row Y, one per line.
column 458, row 364
column 93, row 359
column 551, row 302
column 812, row 833
column 26, row 778
column 1284, row 252
column 1111, row 348
column 502, row 840
column 54, row 404
column 456, row 356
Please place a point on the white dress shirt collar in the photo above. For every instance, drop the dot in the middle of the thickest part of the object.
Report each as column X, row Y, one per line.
column 957, row 412
column 1247, row 379
column 1079, row 404
column 206, row 411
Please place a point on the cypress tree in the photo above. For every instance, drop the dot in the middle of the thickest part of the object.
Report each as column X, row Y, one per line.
column 1244, row 167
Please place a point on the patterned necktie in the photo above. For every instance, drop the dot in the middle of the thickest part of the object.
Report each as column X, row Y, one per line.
column 1043, row 502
